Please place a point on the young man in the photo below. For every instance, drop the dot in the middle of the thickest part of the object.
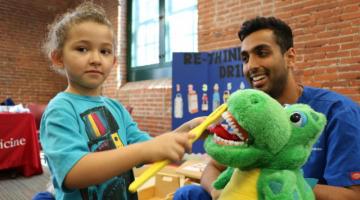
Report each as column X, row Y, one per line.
column 268, row 58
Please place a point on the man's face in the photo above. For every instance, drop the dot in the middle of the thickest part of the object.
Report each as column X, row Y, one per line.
column 264, row 66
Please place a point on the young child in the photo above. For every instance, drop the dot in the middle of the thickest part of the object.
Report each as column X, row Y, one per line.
column 90, row 142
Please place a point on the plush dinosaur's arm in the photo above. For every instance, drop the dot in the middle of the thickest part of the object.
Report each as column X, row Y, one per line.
column 281, row 185
column 223, row 178
column 277, row 185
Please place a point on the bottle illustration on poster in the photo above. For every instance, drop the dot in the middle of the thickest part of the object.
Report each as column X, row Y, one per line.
column 216, row 97
column 204, row 99
column 178, row 103
column 242, row 85
column 227, row 92
column 192, row 100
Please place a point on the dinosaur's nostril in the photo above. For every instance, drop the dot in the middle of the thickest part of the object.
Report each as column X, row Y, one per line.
column 254, row 100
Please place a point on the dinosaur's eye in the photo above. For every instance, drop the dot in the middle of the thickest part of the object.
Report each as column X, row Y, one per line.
column 299, row 119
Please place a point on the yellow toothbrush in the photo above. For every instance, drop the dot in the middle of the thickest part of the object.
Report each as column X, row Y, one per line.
column 197, row 131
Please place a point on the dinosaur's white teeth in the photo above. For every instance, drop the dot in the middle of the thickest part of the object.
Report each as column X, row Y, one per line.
column 234, row 128
column 231, row 126
column 221, row 141
column 225, row 126
column 216, row 122
column 240, row 136
column 225, row 115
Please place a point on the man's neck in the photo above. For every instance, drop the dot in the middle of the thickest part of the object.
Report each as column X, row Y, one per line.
column 292, row 92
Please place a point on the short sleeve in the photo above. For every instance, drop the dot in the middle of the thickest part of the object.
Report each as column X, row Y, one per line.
column 62, row 141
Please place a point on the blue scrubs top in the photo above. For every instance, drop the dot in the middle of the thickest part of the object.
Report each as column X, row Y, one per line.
column 335, row 158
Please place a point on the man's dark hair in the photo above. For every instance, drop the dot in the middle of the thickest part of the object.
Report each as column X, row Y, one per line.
column 282, row 31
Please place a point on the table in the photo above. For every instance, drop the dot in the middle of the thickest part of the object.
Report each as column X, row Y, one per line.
column 193, row 169
column 19, row 146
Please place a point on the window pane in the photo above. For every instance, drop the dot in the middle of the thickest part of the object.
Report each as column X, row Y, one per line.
column 181, row 23
column 145, row 33
column 147, row 10
column 158, row 28
column 178, row 5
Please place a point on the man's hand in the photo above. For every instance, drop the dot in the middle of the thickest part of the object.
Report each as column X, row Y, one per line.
column 215, row 194
column 209, row 175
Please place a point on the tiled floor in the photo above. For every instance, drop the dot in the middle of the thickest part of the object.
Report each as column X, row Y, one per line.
column 24, row 188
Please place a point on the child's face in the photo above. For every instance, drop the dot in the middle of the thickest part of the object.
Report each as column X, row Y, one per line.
column 87, row 57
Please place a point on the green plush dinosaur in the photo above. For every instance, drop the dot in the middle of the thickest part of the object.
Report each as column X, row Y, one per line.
column 264, row 146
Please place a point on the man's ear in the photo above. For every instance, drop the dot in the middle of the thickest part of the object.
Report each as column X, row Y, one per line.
column 290, row 57
column 56, row 59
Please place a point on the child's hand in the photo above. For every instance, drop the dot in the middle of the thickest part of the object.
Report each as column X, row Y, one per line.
column 187, row 126
column 171, row 146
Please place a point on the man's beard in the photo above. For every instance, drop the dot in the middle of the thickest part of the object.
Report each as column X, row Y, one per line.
column 278, row 84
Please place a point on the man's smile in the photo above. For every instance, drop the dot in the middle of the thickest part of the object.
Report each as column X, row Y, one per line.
column 258, row 80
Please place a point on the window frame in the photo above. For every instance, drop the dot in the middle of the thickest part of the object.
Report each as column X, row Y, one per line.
column 154, row 71
column 159, row 70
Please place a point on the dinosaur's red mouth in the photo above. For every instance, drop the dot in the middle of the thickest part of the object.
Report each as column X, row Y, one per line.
column 229, row 132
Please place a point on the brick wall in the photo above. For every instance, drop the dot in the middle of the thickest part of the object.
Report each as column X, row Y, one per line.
column 327, row 40
column 151, row 102
column 24, row 72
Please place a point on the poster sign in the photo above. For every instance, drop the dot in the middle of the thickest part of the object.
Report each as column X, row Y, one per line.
column 203, row 81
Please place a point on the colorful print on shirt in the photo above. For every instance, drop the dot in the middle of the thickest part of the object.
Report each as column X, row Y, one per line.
column 102, row 131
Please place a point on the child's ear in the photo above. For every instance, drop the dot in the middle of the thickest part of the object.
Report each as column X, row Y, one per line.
column 56, row 59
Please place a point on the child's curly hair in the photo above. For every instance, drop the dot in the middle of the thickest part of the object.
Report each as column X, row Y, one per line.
column 57, row 35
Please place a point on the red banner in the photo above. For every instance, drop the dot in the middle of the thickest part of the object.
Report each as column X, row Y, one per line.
column 19, row 147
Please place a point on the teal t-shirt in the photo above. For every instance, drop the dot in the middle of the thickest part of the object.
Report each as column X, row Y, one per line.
column 73, row 126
